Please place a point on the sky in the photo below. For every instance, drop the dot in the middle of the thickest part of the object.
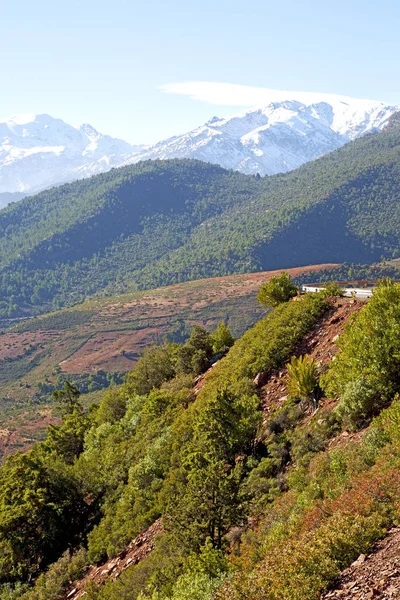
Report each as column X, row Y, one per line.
column 129, row 67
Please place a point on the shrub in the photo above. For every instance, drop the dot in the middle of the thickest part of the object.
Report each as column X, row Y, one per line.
column 358, row 401
column 152, row 369
column 52, row 584
column 303, row 379
column 332, row 289
column 222, row 339
column 279, row 289
column 366, row 373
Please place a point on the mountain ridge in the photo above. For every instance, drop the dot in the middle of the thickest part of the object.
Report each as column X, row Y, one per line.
column 38, row 151
column 164, row 222
column 277, row 138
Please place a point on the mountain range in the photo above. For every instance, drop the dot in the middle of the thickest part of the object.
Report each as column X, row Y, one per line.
column 38, row 151
column 160, row 222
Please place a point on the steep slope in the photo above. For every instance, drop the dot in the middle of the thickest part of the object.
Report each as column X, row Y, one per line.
column 376, row 575
column 38, row 151
column 161, row 222
column 253, row 505
column 319, row 344
column 137, row 551
column 331, row 324
column 99, row 341
column 290, row 131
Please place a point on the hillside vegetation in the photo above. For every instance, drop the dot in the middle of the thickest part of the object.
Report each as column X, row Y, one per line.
column 259, row 501
column 95, row 343
column 163, row 222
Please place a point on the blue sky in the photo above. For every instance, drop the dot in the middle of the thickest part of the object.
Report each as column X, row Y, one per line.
column 106, row 63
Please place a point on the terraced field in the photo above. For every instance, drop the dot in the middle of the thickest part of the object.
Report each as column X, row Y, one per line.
column 109, row 334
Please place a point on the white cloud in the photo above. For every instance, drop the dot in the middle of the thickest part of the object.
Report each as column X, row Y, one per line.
column 230, row 94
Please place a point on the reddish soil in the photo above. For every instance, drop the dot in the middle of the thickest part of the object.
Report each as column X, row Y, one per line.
column 119, row 328
column 22, row 432
column 17, row 344
column 319, row 344
column 113, row 335
column 118, row 350
column 376, row 575
column 135, row 552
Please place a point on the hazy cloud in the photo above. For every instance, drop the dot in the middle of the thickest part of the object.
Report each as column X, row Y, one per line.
column 230, row 94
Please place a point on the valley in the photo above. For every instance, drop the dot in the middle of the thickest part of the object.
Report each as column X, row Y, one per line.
column 200, row 301
column 158, row 223
column 109, row 335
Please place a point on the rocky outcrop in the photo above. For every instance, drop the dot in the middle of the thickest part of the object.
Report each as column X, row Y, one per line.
column 135, row 552
column 376, row 575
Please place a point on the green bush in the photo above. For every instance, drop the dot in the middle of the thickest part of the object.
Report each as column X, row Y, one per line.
column 302, row 381
column 279, row 289
column 357, row 402
column 53, row 583
column 221, row 339
column 365, row 375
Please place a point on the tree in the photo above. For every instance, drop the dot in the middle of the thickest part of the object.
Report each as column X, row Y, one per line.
column 41, row 511
column 366, row 373
column 112, row 406
column 67, row 439
column 200, row 339
column 279, row 289
column 68, row 399
column 153, row 368
column 203, row 494
column 193, row 357
column 222, row 338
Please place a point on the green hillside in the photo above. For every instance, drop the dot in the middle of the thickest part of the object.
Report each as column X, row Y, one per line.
column 163, row 222
column 262, row 496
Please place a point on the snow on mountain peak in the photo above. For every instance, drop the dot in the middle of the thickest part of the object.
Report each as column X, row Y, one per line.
column 286, row 130
column 20, row 119
column 291, row 128
column 88, row 130
column 37, row 151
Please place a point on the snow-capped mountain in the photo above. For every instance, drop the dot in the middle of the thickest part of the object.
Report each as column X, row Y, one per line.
column 37, row 151
column 281, row 136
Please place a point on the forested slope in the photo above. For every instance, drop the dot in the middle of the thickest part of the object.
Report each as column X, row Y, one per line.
column 259, row 500
column 162, row 222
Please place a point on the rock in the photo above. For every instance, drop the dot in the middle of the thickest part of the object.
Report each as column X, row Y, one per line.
column 260, row 379
column 362, row 557
column 72, row 592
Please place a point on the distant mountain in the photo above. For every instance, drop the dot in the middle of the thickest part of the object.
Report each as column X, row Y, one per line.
column 38, row 151
column 290, row 131
column 164, row 222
